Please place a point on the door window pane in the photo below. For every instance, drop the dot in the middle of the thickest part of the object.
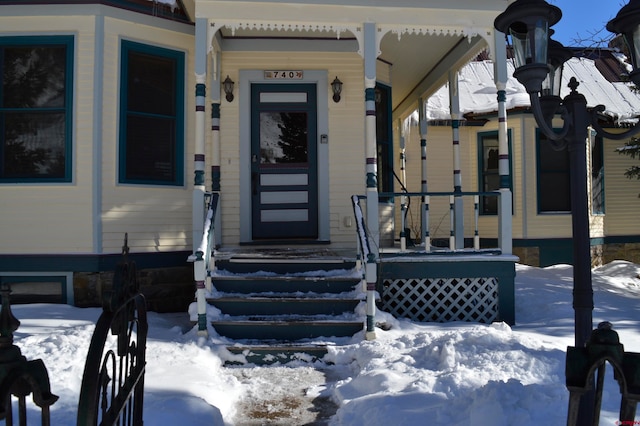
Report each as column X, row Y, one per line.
column 283, row 137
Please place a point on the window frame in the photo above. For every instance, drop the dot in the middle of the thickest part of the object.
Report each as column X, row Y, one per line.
column 541, row 138
column 178, row 57
column 481, row 136
column 597, row 143
column 68, row 41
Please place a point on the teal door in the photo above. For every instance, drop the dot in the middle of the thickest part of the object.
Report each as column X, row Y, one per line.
column 284, row 182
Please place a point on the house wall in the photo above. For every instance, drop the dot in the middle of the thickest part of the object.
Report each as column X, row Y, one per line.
column 56, row 216
column 92, row 213
column 346, row 136
column 156, row 217
column 71, row 233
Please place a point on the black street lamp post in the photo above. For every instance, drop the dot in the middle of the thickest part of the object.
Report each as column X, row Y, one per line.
column 539, row 62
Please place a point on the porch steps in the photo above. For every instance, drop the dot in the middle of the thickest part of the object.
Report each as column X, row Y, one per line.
column 278, row 307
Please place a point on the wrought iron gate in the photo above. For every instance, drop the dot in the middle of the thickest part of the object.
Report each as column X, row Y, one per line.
column 112, row 389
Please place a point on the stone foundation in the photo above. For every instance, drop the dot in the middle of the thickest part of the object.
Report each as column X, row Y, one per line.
column 165, row 289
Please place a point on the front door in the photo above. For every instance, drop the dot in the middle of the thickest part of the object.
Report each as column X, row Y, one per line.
column 284, row 182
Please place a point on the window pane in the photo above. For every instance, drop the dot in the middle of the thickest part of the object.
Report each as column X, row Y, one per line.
column 283, row 137
column 34, row 145
column 34, row 77
column 554, row 192
column 597, row 176
column 151, row 87
column 151, row 148
column 553, row 178
column 490, row 175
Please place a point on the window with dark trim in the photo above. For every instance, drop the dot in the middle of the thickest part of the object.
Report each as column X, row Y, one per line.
column 384, row 138
column 553, row 177
column 597, row 174
column 36, row 98
column 151, row 115
column 488, row 172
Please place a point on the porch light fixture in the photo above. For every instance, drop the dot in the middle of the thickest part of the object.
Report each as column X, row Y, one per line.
column 336, row 87
column 539, row 63
column 227, row 86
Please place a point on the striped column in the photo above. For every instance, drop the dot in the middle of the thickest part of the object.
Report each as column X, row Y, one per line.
column 423, row 124
column 198, row 202
column 215, row 141
column 454, row 102
column 370, row 54
column 505, row 209
column 403, row 200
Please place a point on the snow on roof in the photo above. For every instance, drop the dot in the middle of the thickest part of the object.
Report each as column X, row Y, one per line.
column 478, row 91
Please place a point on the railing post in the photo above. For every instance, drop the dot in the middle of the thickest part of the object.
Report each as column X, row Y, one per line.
column 199, row 275
column 452, row 215
column 505, row 238
column 476, row 210
column 426, row 236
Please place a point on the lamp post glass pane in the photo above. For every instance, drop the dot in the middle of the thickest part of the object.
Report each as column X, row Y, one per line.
column 541, row 41
column 634, row 46
column 552, row 84
column 529, row 43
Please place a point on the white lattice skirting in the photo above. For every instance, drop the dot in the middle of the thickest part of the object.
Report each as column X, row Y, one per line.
column 442, row 299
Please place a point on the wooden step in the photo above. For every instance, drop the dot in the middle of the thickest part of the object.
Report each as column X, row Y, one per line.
column 283, row 284
column 274, row 330
column 271, row 354
column 244, row 306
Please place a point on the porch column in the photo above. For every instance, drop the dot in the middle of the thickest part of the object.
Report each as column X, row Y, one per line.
column 458, row 212
column 198, row 211
column 424, row 217
column 370, row 53
column 215, row 141
column 403, row 199
column 505, row 232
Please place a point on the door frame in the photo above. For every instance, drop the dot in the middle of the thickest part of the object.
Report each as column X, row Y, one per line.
column 320, row 79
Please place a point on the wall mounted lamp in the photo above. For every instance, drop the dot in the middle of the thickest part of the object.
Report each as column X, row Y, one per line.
column 336, row 87
column 227, row 86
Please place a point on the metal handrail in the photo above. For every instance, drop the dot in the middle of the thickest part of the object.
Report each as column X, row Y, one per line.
column 369, row 258
column 204, row 262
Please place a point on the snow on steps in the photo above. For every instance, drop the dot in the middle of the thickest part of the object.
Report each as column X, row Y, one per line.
column 282, row 307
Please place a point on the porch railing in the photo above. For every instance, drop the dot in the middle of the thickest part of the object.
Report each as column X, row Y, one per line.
column 369, row 260
column 204, row 261
column 454, row 211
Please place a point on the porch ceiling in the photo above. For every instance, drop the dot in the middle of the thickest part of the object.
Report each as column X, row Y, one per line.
column 422, row 40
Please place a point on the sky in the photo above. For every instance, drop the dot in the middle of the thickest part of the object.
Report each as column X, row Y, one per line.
column 584, row 20
column 413, row 373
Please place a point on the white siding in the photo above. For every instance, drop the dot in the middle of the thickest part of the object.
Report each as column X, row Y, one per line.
column 55, row 218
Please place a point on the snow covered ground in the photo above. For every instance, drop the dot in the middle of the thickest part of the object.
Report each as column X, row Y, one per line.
column 413, row 374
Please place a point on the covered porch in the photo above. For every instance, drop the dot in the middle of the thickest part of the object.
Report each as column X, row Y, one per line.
column 388, row 58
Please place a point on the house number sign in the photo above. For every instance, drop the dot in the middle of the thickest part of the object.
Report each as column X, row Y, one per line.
column 283, row 75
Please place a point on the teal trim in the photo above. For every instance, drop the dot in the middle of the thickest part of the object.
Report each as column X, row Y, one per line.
column 90, row 262
column 504, row 181
column 198, row 178
column 215, row 110
column 178, row 117
column 67, row 109
column 502, row 95
column 201, row 89
column 370, row 94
